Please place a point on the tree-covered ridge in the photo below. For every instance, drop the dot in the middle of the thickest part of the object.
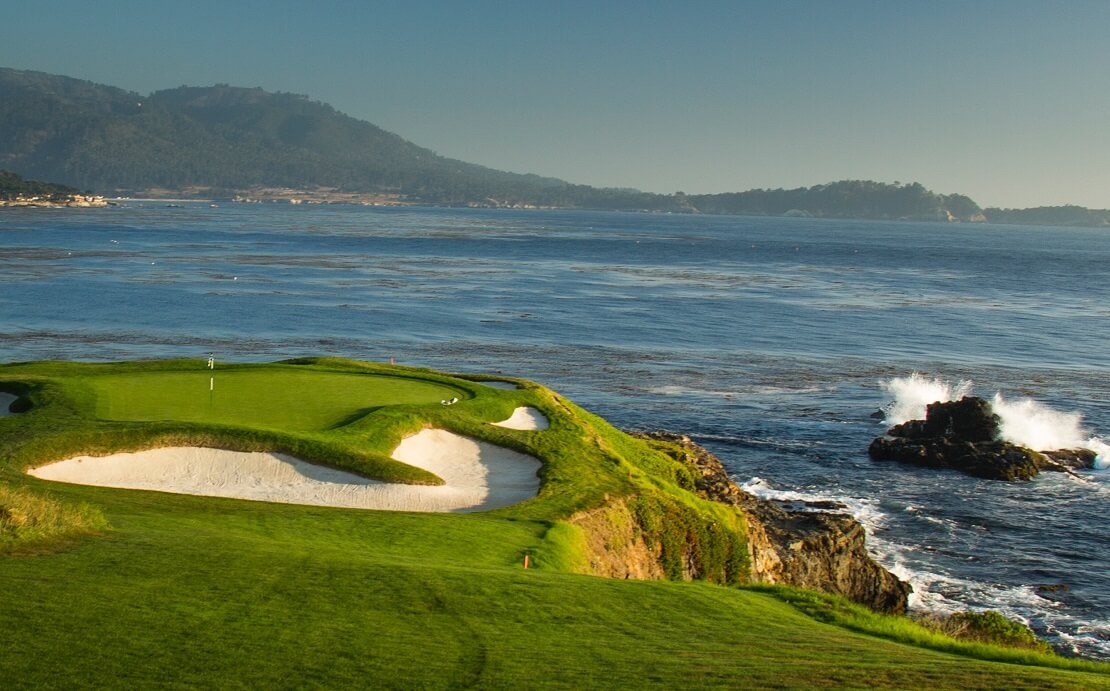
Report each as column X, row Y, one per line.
column 1068, row 215
column 844, row 199
column 13, row 186
column 222, row 138
column 224, row 141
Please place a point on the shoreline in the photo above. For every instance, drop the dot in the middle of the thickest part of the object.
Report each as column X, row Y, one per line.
column 73, row 201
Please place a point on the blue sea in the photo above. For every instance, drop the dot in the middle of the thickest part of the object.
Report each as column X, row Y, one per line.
column 770, row 341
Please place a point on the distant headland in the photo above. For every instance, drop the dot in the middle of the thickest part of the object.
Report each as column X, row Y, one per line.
column 17, row 192
column 242, row 144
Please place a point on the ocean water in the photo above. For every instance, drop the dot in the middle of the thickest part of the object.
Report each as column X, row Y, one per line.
column 770, row 341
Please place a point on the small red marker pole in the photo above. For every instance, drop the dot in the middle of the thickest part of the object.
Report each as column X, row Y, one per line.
column 526, row 561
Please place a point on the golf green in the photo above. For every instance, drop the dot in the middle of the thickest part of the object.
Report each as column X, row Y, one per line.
column 287, row 399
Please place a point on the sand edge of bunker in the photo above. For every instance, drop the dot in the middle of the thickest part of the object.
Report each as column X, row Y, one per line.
column 477, row 475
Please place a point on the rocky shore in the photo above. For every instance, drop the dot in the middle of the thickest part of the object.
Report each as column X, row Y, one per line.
column 817, row 549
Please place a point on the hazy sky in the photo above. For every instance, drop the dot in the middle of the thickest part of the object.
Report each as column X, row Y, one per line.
column 1006, row 101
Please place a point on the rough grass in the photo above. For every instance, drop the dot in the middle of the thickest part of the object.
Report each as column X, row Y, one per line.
column 29, row 520
column 1001, row 647
column 195, row 591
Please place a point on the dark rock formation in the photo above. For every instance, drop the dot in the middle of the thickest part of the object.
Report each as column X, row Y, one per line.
column 964, row 435
column 970, row 419
column 816, row 550
column 995, row 460
column 1069, row 459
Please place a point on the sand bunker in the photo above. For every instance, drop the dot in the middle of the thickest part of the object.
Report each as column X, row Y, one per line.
column 478, row 476
column 525, row 417
column 6, row 399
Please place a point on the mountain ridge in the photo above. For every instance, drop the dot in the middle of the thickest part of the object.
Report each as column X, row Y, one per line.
column 237, row 142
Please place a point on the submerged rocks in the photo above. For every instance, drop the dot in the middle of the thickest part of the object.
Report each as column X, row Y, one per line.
column 808, row 549
column 964, row 435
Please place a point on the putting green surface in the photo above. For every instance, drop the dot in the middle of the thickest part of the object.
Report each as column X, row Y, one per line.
column 288, row 399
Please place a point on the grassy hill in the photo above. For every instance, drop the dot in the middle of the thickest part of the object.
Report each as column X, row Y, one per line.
column 147, row 589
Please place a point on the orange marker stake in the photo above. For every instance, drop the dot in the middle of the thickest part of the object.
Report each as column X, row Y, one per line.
column 526, row 561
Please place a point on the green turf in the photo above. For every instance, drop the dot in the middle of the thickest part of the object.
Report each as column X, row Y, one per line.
column 186, row 592
column 287, row 399
column 189, row 592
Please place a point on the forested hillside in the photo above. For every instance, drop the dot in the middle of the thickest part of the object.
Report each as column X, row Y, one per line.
column 224, row 141
column 221, row 137
column 1069, row 215
column 845, row 199
column 13, row 186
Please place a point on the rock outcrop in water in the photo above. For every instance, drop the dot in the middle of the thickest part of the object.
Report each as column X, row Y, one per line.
column 808, row 549
column 965, row 435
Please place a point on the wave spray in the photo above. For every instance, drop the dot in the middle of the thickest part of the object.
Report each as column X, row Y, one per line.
column 1024, row 422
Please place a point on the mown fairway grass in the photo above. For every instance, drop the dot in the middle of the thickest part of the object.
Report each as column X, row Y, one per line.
column 191, row 591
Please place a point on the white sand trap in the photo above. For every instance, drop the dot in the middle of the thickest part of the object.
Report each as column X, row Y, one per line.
column 6, row 399
column 500, row 384
column 525, row 417
column 478, row 476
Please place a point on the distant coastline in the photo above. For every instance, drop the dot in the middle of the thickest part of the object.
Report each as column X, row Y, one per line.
column 73, row 201
column 226, row 143
column 16, row 192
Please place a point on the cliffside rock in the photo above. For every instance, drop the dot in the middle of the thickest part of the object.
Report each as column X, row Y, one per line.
column 964, row 435
column 816, row 550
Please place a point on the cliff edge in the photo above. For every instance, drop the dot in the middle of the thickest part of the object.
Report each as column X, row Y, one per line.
column 817, row 550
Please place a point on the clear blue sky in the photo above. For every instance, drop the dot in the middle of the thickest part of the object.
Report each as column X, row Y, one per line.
column 1007, row 101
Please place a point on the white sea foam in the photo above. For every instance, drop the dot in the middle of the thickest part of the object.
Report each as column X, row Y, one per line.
column 866, row 511
column 1033, row 424
column 913, row 393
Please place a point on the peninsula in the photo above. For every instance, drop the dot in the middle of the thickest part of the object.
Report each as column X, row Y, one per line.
column 521, row 539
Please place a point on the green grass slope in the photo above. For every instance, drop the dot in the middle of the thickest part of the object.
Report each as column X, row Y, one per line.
column 179, row 591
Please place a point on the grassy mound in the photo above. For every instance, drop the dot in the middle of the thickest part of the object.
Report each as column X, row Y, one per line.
column 186, row 591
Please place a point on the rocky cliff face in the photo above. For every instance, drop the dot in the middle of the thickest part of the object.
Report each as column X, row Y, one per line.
column 816, row 550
